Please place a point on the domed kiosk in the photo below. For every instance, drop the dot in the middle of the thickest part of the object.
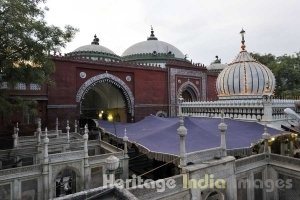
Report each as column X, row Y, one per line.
column 94, row 51
column 152, row 51
column 245, row 78
column 216, row 66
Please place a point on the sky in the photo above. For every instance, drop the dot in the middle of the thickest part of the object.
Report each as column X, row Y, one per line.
column 201, row 29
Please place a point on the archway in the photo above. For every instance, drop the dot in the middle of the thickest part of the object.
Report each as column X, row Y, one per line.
column 65, row 182
column 188, row 91
column 214, row 195
column 188, row 95
column 106, row 97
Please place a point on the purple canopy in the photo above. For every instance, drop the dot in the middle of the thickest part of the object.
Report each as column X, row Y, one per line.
column 160, row 134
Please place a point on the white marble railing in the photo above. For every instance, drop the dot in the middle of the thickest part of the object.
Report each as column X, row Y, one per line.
column 20, row 171
column 66, row 156
column 18, row 152
column 240, row 109
column 240, row 152
column 276, row 158
column 204, row 155
column 250, row 160
column 278, row 105
column 102, row 157
column 109, row 147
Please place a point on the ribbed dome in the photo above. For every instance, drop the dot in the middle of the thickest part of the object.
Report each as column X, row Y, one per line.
column 152, row 46
column 245, row 78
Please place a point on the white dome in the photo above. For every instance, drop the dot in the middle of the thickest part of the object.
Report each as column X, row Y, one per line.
column 153, row 46
column 245, row 78
column 216, row 67
column 94, row 51
column 94, row 48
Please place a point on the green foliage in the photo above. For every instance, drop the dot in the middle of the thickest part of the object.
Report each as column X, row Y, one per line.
column 25, row 42
column 286, row 70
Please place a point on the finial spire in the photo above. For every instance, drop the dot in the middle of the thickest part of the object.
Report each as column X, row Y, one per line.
column 95, row 40
column 152, row 31
column 266, row 136
column 222, row 116
column 243, row 46
column 152, row 36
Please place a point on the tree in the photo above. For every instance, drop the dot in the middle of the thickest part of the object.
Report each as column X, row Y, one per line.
column 25, row 42
column 286, row 70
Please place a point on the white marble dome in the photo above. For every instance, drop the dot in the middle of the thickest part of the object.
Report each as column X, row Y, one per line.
column 153, row 46
column 94, row 51
column 94, row 48
column 245, row 78
column 216, row 67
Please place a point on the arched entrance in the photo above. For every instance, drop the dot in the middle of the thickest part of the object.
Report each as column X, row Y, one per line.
column 189, row 92
column 188, row 95
column 214, row 195
column 106, row 97
column 65, row 183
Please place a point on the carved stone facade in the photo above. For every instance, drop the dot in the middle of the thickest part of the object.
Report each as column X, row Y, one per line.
column 175, row 86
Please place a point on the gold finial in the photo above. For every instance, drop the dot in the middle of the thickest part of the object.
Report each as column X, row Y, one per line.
column 243, row 40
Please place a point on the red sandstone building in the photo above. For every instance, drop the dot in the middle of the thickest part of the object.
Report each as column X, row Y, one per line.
column 94, row 82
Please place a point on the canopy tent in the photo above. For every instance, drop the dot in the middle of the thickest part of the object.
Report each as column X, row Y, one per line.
column 160, row 134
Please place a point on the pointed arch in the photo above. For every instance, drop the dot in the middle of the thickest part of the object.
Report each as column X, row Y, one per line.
column 188, row 85
column 108, row 78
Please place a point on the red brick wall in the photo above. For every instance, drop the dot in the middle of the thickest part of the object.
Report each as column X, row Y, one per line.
column 151, row 92
column 211, row 88
column 149, row 87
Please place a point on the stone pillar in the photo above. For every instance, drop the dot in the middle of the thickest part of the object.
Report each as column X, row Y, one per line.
column 75, row 126
column 250, row 186
column 87, row 171
column 68, row 131
column 270, row 174
column 46, row 167
column 39, row 131
column 223, row 128
column 182, row 132
column 16, row 189
column 126, row 157
column 180, row 100
column 231, row 186
column 99, row 135
column 267, row 103
column 283, row 148
column 16, row 135
column 38, row 137
column 56, row 125
column 266, row 136
column 292, row 148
